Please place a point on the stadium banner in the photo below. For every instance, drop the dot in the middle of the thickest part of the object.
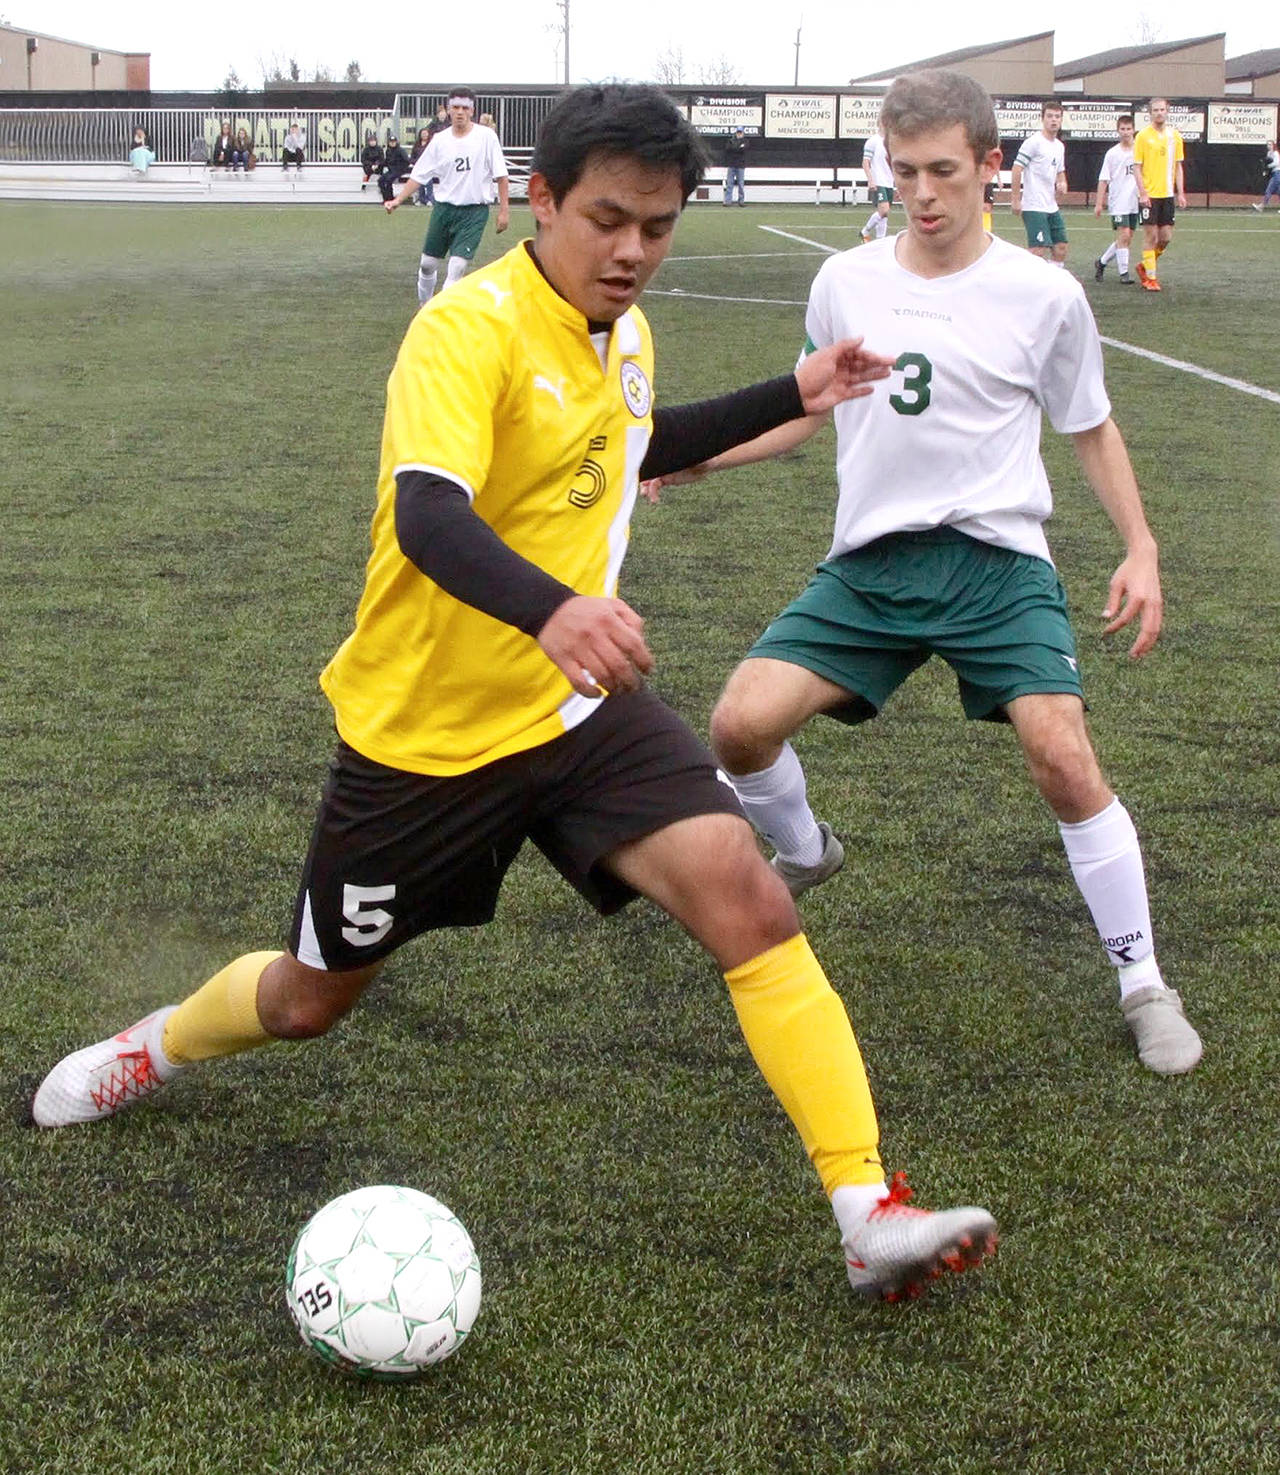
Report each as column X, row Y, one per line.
column 800, row 115
column 1242, row 122
column 1188, row 121
column 725, row 114
column 1016, row 117
column 860, row 114
column 1092, row 119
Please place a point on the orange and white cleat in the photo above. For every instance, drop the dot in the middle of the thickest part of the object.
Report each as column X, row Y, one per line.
column 900, row 1249
column 101, row 1079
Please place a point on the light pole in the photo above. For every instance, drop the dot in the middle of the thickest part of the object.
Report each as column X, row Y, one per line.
column 798, row 29
column 564, row 8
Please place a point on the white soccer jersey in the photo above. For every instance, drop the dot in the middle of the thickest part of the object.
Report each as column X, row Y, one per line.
column 875, row 162
column 465, row 167
column 1122, row 187
column 952, row 437
column 1042, row 160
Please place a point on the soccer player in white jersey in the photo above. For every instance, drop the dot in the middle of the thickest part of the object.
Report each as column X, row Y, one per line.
column 939, row 545
column 467, row 162
column 1038, row 181
column 879, row 172
column 1118, row 196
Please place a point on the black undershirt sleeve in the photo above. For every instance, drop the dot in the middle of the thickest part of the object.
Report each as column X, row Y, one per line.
column 685, row 435
column 441, row 535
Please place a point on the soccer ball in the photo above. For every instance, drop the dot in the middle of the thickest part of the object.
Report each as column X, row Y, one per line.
column 383, row 1282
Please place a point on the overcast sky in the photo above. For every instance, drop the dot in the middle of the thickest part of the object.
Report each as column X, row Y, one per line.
column 194, row 45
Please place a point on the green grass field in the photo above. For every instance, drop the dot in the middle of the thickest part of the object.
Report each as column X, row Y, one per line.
column 191, row 411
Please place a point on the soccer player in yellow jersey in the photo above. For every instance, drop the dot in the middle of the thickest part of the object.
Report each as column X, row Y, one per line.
column 1158, row 168
column 492, row 690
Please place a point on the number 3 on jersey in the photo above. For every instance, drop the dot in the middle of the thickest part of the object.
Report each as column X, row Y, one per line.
column 916, row 372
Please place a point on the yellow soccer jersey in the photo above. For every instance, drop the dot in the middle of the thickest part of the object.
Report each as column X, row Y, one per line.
column 1157, row 153
column 497, row 386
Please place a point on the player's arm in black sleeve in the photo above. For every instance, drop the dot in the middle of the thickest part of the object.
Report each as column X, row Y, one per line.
column 441, row 535
column 686, row 435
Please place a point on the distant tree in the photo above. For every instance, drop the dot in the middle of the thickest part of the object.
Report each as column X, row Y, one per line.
column 719, row 73
column 668, row 71
column 1146, row 31
column 322, row 73
column 353, row 71
column 231, row 83
column 295, row 71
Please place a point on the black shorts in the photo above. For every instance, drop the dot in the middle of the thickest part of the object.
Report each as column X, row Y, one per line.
column 1158, row 212
column 394, row 854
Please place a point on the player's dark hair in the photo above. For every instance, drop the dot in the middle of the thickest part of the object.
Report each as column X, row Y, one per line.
column 923, row 102
column 462, row 92
column 613, row 122
column 1050, row 105
column 1125, row 118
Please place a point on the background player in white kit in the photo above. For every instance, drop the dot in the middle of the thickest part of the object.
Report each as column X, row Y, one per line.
column 1118, row 197
column 1038, row 181
column 879, row 172
column 939, row 545
column 467, row 162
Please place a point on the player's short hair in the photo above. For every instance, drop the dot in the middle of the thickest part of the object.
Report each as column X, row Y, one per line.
column 1050, row 105
column 619, row 120
column 1125, row 118
column 921, row 102
column 1151, row 102
column 461, row 92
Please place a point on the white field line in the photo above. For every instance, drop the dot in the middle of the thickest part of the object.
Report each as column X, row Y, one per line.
column 715, row 297
column 736, row 256
column 1242, row 386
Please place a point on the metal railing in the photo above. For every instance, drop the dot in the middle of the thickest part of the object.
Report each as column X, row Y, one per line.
column 333, row 136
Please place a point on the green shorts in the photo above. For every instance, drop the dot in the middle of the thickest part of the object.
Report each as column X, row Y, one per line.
column 455, row 230
column 869, row 618
column 882, row 194
column 1125, row 222
column 1043, row 229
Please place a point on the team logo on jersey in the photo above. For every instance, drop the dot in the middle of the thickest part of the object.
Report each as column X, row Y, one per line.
column 589, row 481
column 635, row 389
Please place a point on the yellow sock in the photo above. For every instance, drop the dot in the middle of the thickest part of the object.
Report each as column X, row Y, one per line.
column 1149, row 262
column 221, row 1017
column 799, row 1033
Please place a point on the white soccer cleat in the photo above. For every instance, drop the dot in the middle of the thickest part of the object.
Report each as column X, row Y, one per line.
column 101, row 1079
column 1167, row 1041
column 800, row 878
column 899, row 1249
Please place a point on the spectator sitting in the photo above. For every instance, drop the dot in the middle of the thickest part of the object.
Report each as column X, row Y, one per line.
column 242, row 152
column 141, row 157
column 372, row 159
column 485, row 120
column 222, row 149
column 295, row 143
column 397, row 165
column 426, row 193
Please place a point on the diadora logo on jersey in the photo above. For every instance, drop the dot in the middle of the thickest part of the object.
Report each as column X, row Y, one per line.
column 921, row 312
column 589, row 481
column 496, row 292
column 556, row 390
column 635, row 389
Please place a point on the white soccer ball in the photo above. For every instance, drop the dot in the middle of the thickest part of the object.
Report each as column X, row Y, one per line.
column 383, row 1282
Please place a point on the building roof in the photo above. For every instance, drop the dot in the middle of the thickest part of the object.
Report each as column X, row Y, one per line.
column 1123, row 56
column 948, row 58
column 1253, row 64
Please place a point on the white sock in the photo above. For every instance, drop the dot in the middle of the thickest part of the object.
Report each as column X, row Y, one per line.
column 881, row 226
column 1109, row 254
column 1106, row 861
column 428, row 267
column 775, row 803
column 1122, row 259
column 457, row 269
column 869, row 229
column 853, row 1202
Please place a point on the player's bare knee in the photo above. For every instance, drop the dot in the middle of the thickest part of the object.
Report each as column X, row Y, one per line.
column 736, row 739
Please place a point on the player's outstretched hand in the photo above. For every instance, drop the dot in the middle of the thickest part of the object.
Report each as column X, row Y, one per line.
column 1135, row 594
column 390, row 205
column 844, row 370
column 651, row 490
column 598, row 644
